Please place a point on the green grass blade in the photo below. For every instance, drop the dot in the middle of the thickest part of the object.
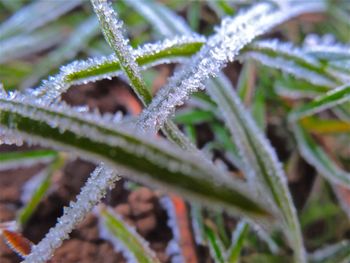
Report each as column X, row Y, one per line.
column 124, row 236
column 94, row 69
column 232, row 255
column 112, row 29
column 290, row 87
column 296, row 60
column 337, row 253
column 26, row 19
column 330, row 99
column 26, row 212
column 216, row 248
column 12, row 160
column 148, row 161
column 150, row 54
column 325, row 126
column 77, row 41
column 20, row 46
column 214, row 55
column 317, row 157
column 91, row 193
column 260, row 163
column 165, row 21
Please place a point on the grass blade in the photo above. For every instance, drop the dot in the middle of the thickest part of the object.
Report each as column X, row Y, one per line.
column 323, row 102
column 26, row 212
column 77, row 41
column 125, row 238
column 26, row 19
column 293, row 60
column 164, row 20
column 214, row 55
column 93, row 191
column 232, row 255
column 216, row 248
column 337, row 253
column 260, row 162
column 144, row 160
column 322, row 126
column 317, row 157
column 112, row 30
column 24, row 45
column 13, row 160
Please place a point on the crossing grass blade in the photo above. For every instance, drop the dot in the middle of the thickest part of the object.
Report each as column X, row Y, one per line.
column 12, row 160
column 125, row 237
column 151, row 162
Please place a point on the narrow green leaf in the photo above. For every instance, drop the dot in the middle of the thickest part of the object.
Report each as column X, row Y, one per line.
column 127, row 237
column 112, row 30
column 246, row 82
column 316, row 156
column 337, row 253
column 325, row 126
column 297, row 62
column 260, row 163
column 17, row 159
column 290, row 87
column 26, row 212
column 166, row 51
column 238, row 237
column 26, row 19
column 193, row 116
column 19, row 46
column 216, row 248
column 164, row 21
column 323, row 102
column 221, row 7
column 194, row 14
column 77, row 41
column 147, row 161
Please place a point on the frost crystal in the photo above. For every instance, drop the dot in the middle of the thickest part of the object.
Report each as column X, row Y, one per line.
column 98, row 68
column 292, row 68
column 113, row 31
column 173, row 248
column 93, row 191
column 222, row 47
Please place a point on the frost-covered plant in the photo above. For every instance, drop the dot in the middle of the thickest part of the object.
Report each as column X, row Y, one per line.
column 130, row 148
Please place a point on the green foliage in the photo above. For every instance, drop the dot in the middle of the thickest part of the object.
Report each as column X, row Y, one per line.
column 299, row 89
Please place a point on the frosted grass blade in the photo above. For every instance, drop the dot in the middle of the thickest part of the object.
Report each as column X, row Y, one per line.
column 330, row 99
column 150, row 161
column 13, row 160
column 113, row 31
column 275, row 53
column 336, row 253
column 260, row 163
column 317, row 157
column 325, row 126
column 220, row 48
column 290, row 87
column 40, row 191
column 164, row 20
column 239, row 234
column 19, row 46
column 94, row 190
column 334, row 52
column 77, row 41
column 26, row 19
column 94, row 69
column 166, row 51
column 216, row 248
column 125, row 238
